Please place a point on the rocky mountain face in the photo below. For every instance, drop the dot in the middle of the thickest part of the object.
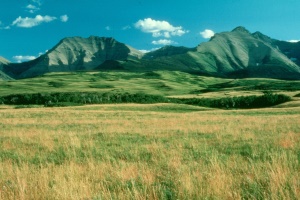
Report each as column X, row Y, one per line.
column 238, row 53
column 289, row 49
column 4, row 77
column 3, row 62
column 242, row 54
column 73, row 54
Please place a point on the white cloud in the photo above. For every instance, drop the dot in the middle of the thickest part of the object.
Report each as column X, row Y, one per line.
column 144, row 51
column 32, row 8
column 157, row 34
column 293, row 41
column 179, row 32
column 39, row 2
column 159, row 28
column 64, row 18
column 167, row 35
column 31, row 22
column 207, row 33
column 126, row 28
column 20, row 59
column 42, row 53
column 107, row 28
column 3, row 27
column 147, row 51
column 163, row 42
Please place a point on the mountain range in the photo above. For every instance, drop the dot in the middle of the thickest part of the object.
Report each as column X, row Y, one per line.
column 237, row 54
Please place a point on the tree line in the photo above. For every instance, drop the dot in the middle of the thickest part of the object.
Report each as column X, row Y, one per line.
column 82, row 98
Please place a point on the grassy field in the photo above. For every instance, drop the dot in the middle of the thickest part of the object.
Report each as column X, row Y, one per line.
column 150, row 151
column 158, row 151
column 165, row 83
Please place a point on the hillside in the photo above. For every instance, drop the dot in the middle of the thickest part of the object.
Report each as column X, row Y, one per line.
column 290, row 49
column 167, row 51
column 73, row 54
column 3, row 61
column 3, row 76
column 239, row 53
column 165, row 83
column 234, row 54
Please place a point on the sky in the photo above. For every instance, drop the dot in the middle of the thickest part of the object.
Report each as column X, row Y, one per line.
column 29, row 28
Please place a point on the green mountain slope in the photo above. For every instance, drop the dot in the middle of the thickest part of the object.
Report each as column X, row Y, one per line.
column 290, row 49
column 4, row 77
column 3, row 62
column 234, row 54
column 167, row 51
column 239, row 53
column 229, row 54
column 73, row 54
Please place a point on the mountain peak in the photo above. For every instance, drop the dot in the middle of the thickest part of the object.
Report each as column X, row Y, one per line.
column 90, row 38
column 229, row 54
column 241, row 29
column 261, row 36
column 101, row 38
column 3, row 60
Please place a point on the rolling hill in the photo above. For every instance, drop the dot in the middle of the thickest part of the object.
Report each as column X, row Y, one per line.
column 233, row 54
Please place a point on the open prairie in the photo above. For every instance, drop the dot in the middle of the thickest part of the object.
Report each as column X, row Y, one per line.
column 154, row 100
column 157, row 151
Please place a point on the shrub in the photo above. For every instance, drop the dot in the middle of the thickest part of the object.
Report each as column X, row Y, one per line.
column 266, row 100
column 80, row 98
column 56, row 84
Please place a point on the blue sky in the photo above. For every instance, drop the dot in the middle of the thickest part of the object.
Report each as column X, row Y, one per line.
column 28, row 28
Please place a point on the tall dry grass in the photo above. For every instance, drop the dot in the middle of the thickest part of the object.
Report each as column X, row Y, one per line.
column 108, row 152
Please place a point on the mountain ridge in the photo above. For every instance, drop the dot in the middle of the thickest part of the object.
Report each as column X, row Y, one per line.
column 239, row 50
column 238, row 53
column 3, row 62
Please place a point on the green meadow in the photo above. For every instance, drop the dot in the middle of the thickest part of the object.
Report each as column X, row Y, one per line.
column 166, row 83
column 150, row 151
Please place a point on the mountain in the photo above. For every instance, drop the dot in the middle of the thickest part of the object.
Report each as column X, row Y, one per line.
column 167, row 51
column 4, row 77
column 237, row 53
column 3, row 62
column 230, row 54
column 73, row 54
column 290, row 49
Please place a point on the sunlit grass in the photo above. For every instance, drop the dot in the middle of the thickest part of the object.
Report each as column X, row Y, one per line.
column 159, row 151
column 165, row 83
